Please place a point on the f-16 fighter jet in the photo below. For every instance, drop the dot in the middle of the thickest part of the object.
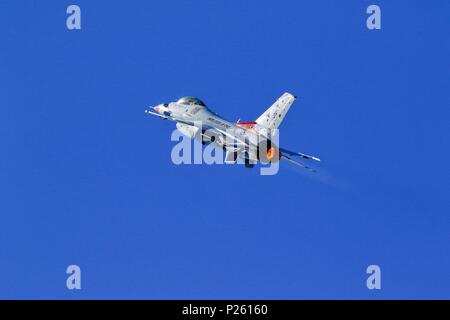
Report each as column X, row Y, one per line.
column 249, row 142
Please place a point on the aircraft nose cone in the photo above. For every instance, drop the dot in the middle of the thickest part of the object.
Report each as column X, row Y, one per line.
column 156, row 108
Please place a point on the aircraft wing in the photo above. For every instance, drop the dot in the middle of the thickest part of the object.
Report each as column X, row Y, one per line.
column 158, row 115
column 167, row 117
column 236, row 142
column 294, row 153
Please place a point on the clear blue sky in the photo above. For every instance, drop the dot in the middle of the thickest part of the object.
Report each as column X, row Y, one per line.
column 86, row 177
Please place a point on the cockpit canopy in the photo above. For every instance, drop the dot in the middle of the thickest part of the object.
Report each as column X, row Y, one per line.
column 191, row 100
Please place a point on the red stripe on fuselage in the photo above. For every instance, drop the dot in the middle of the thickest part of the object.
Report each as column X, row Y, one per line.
column 247, row 124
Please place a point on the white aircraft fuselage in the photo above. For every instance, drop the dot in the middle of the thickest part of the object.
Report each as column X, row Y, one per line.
column 251, row 141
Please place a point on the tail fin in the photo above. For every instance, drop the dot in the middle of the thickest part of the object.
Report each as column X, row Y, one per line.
column 272, row 117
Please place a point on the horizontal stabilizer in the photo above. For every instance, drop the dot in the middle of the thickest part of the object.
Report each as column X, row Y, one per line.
column 297, row 163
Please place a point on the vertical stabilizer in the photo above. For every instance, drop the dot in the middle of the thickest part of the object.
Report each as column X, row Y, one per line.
column 272, row 117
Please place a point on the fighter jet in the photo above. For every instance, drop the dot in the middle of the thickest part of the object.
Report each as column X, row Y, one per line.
column 250, row 142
